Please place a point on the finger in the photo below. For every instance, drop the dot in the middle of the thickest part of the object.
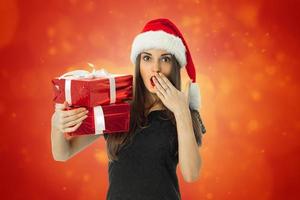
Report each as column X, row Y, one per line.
column 72, row 129
column 76, row 121
column 74, row 117
column 159, row 87
column 158, row 93
column 161, row 81
column 166, row 80
column 67, row 113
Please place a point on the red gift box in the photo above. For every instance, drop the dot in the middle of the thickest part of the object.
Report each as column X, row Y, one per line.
column 89, row 90
column 112, row 118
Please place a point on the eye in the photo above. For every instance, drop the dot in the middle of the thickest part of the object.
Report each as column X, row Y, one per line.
column 146, row 58
column 167, row 59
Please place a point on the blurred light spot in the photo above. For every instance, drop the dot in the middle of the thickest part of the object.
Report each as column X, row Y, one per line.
column 219, row 14
column 284, row 133
column 280, row 56
column 97, row 39
column 270, row 70
column 73, row 2
column 66, row 47
column 86, row 177
column 255, row 95
column 287, row 78
column 24, row 151
column 247, row 14
column 226, row 45
column 25, row 154
column 89, row 6
column 245, row 164
column 233, row 125
column 65, row 27
column 52, row 51
column 225, row 86
column 209, row 196
column 250, row 44
column 51, row 32
column 197, row 30
column 188, row 21
column 13, row 115
column 263, row 50
column 69, row 174
column 252, row 125
column 79, row 37
column 282, row 83
column 258, row 77
column 101, row 156
column 217, row 179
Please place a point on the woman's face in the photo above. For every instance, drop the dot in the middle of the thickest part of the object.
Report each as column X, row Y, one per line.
column 154, row 61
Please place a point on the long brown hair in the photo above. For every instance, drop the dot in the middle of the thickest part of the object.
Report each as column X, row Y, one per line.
column 138, row 118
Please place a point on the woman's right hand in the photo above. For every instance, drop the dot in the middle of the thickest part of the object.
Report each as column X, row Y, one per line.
column 68, row 120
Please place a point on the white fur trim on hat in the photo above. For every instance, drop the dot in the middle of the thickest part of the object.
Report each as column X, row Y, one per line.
column 159, row 40
column 194, row 96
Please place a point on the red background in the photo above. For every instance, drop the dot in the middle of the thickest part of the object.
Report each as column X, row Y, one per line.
column 247, row 59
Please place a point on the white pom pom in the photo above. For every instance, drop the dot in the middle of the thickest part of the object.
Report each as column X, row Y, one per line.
column 194, row 96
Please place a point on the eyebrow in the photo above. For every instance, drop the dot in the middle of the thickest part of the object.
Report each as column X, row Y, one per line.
column 161, row 54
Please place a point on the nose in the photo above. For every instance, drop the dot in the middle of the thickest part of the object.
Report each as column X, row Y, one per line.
column 156, row 67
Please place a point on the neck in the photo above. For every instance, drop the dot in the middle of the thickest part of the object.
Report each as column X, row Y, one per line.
column 150, row 99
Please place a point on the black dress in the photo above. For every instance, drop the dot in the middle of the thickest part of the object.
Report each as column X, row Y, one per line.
column 146, row 169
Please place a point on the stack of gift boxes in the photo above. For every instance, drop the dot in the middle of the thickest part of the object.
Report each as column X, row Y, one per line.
column 105, row 95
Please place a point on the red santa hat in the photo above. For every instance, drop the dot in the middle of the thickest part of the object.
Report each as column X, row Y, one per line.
column 163, row 34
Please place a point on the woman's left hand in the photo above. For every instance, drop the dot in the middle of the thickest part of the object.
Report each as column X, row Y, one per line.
column 171, row 97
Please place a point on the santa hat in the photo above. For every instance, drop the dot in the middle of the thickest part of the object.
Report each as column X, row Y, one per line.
column 163, row 34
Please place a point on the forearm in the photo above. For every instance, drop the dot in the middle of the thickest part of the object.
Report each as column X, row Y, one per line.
column 189, row 156
column 60, row 145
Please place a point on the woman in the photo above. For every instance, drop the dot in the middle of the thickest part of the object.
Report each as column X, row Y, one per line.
column 165, row 125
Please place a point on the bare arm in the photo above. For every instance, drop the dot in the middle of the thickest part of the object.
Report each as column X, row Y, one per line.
column 189, row 156
column 68, row 121
column 60, row 145
column 79, row 143
column 64, row 149
column 178, row 102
